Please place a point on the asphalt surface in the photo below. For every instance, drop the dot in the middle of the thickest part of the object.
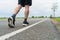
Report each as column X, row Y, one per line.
column 42, row 31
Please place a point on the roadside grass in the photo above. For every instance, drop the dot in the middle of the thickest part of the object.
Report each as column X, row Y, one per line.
column 57, row 23
column 56, row 19
column 3, row 18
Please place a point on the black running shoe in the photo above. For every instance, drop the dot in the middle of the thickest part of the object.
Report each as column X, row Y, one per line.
column 25, row 23
column 11, row 22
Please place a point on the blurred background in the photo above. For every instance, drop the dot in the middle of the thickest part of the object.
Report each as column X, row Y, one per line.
column 39, row 8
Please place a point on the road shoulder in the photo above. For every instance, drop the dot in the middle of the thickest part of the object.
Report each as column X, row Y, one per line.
column 57, row 25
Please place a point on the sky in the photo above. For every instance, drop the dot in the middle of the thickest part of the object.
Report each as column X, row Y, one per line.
column 38, row 8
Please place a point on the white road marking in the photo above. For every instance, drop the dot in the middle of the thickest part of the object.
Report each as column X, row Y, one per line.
column 18, row 31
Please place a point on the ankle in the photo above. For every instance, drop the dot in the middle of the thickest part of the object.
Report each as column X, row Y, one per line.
column 25, row 19
column 14, row 15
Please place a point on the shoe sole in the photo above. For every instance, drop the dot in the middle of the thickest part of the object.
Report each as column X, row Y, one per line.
column 10, row 23
column 25, row 24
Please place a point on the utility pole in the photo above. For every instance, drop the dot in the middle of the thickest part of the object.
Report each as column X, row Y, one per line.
column 54, row 7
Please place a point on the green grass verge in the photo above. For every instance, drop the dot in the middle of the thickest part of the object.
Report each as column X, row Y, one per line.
column 3, row 18
column 56, row 19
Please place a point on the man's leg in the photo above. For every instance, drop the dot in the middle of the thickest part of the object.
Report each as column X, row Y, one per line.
column 11, row 20
column 17, row 9
column 26, row 11
column 26, row 14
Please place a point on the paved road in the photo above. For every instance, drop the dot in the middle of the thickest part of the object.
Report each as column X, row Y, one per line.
column 42, row 31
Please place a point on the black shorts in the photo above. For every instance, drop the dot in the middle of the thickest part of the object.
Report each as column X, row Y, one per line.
column 25, row 2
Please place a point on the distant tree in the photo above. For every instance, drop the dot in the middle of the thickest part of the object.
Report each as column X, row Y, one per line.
column 51, row 16
column 36, row 17
column 40, row 16
column 32, row 16
column 45, row 16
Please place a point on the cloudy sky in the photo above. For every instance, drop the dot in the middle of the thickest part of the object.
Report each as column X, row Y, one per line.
column 38, row 8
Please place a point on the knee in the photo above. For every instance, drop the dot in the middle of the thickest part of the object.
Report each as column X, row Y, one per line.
column 19, row 6
column 27, row 7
